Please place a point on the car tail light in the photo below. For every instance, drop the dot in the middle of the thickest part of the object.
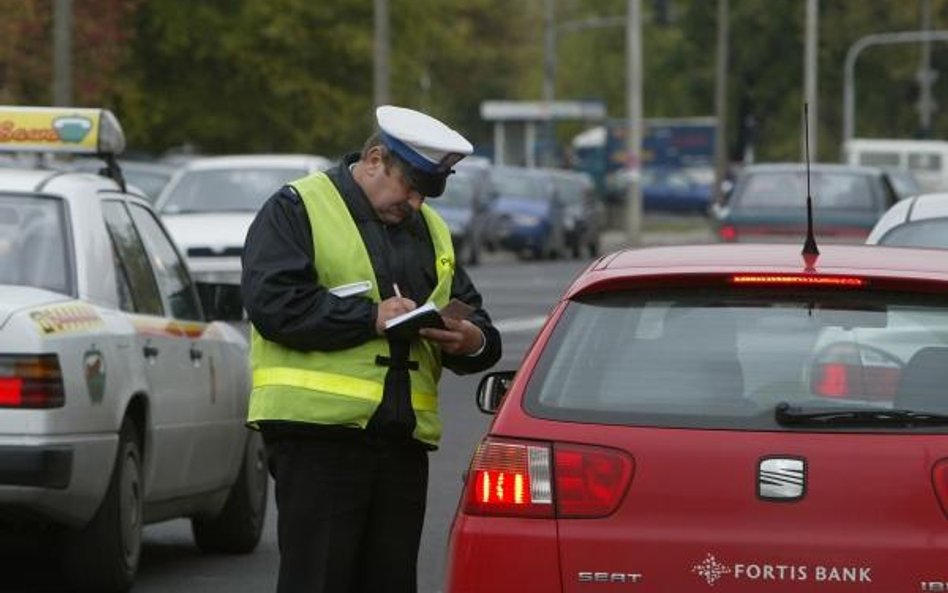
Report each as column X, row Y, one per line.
column 940, row 481
column 727, row 232
column 590, row 481
column 799, row 279
column 510, row 478
column 842, row 380
column 524, row 479
column 31, row 381
column 850, row 371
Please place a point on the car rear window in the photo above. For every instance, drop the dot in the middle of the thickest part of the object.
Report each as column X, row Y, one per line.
column 728, row 359
column 227, row 190
column 522, row 185
column 924, row 233
column 458, row 191
column 33, row 243
column 830, row 191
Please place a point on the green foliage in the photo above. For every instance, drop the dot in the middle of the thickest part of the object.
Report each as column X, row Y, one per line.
column 297, row 75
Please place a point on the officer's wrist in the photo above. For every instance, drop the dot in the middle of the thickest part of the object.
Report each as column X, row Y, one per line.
column 482, row 347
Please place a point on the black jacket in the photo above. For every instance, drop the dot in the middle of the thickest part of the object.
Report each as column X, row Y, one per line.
column 287, row 304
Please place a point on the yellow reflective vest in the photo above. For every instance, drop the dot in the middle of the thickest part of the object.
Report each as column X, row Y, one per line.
column 345, row 387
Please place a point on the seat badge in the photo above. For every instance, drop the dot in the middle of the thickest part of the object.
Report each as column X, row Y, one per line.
column 781, row 478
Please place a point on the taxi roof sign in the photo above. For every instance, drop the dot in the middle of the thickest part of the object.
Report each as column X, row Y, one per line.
column 75, row 130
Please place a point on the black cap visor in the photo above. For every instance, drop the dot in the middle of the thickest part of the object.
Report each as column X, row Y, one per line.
column 430, row 185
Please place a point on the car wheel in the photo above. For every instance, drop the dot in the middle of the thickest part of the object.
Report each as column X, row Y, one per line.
column 104, row 555
column 237, row 528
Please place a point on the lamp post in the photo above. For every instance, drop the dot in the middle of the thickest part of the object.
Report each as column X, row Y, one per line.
column 633, row 217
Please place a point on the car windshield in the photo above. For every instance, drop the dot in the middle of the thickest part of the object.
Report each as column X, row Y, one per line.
column 571, row 191
column 33, row 243
column 458, row 192
column 518, row 185
column 923, row 233
column 729, row 359
column 830, row 190
column 149, row 182
column 227, row 190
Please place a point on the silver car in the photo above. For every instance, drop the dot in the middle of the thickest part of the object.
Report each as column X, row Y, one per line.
column 122, row 400
column 210, row 202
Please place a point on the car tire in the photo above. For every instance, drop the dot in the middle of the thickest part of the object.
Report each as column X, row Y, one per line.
column 239, row 525
column 104, row 555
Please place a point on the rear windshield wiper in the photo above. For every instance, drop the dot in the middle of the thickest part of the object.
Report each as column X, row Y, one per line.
column 787, row 415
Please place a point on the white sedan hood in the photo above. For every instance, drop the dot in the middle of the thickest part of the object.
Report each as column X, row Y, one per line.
column 216, row 231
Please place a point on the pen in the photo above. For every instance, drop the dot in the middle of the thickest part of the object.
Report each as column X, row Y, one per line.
column 398, row 293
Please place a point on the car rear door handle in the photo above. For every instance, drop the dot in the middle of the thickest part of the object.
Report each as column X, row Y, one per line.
column 150, row 352
column 196, row 354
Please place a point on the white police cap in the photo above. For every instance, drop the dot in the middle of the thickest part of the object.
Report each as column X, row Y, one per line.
column 427, row 146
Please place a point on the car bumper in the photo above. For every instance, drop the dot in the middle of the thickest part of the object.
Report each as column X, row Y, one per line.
column 61, row 479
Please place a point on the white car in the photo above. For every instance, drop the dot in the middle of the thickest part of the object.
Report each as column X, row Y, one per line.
column 917, row 221
column 121, row 401
column 210, row 202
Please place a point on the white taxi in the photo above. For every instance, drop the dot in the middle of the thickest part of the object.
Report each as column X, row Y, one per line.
column 123, row 391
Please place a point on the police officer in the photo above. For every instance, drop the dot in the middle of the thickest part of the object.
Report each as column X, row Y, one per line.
column 348, row 414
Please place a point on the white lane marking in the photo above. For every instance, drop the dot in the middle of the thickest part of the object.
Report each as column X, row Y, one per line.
column 520, row 324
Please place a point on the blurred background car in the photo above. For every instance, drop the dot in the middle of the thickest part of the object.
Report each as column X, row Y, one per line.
column 465, row 207
column 668, row 189
column 211, row 201
column 904, row 182
column 768, row 203
column 917, row 221
column 149, row 176
column 584, row 214
column 528, row 217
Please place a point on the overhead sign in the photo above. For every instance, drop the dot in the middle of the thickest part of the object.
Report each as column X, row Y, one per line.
column 541, row 110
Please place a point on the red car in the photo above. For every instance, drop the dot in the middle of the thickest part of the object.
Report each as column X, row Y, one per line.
column 720, row 418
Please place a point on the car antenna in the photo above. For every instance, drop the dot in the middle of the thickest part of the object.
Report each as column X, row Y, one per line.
column 809, row 246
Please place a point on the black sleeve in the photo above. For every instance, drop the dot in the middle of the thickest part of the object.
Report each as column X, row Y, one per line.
column 463, row 289
column 281, row 291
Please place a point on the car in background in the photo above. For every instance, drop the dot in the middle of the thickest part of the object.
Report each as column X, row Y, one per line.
column 149, row 176
column 528, row 216
column 211, row 201
column 465, row 207
column 768, row 203
column 673, row 427
column 918, row 221
column 584, row 214
column 903, row 182
column 671, row 189
column 123, row 389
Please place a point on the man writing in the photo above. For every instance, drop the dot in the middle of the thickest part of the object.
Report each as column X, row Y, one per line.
column 348, row 415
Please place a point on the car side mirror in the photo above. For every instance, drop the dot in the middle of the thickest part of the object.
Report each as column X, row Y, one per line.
column 221, row 302
column 492, row 389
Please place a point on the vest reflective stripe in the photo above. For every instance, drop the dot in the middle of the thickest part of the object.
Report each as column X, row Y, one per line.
column 290, row 384
column 334, row 383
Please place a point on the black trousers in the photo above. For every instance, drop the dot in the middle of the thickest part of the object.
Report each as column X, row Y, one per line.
column 350, row 514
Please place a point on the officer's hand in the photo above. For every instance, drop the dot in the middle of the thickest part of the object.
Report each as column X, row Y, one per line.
column 392, row 307
column 460, row 337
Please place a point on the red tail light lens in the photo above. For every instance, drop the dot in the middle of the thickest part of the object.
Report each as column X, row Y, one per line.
column 727, row 233
column 31, row 381
column 512, row 478
column 590, row 481
column 940, row 481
